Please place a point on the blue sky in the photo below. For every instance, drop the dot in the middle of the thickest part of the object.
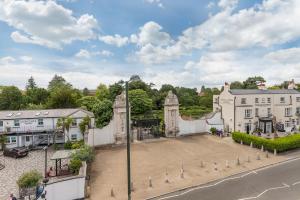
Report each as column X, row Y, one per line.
column 185, row 43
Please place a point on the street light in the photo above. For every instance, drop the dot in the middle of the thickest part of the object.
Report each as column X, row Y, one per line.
column 128, row 143
column 46, row 152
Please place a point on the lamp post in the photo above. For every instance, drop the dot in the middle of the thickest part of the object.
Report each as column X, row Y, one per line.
column 128, row 142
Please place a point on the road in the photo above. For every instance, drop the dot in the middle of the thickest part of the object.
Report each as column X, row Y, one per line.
column 277, row 182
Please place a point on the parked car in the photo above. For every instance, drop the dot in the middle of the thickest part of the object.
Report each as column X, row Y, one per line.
column 16, row 152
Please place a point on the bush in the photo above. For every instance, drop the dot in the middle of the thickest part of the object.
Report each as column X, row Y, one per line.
column 75, row 165
column 85, row 153
column 76, row 145
column 30, row 179
column 280, row 144
column 213, row 130
column 68, row 145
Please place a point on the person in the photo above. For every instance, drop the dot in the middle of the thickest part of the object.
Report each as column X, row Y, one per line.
column 50, row 172
column 12, row 197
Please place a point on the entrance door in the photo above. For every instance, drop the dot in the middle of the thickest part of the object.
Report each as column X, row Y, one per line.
column 268, row 127
column 248, row 127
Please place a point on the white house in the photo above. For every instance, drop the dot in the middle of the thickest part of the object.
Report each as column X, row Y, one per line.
column 35, row 127
column 247, row 110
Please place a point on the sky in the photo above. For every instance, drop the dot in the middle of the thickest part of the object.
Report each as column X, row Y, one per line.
column 185, row 43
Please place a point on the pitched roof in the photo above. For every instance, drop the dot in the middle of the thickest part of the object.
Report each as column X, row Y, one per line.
column 258, row 91
column 46, row 113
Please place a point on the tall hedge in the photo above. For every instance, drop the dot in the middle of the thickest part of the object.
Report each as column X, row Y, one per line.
column 280, row 144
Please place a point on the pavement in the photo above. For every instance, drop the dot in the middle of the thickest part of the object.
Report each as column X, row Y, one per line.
column 276, row 182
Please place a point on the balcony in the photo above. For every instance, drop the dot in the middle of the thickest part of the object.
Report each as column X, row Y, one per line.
column 29, row 129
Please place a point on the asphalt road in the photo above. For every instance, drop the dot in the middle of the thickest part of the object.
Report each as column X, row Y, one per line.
column 278, row 182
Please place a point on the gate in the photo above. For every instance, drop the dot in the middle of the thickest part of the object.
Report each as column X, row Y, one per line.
column 147, row 128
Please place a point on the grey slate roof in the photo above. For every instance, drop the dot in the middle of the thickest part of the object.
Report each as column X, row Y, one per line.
column 258, row 91
column 46, row 113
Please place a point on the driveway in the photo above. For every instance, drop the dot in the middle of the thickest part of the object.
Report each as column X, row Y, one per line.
column 108, row 172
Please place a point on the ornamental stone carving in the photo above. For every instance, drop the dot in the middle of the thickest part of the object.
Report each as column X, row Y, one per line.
column 171, row 115
column 120, row 118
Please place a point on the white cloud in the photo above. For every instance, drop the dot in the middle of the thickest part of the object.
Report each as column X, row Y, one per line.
column 83, row 53
column 228, row 3
column 157, row 2
column 7, row 59
column 46, row 23
column 285, row 56
column 270, row 23
column 26, row 58
column 151, row 33
column 116, row 40
column 210, row 5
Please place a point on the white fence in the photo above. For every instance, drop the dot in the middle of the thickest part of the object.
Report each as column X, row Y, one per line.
column 98, row 137
column 67, row 188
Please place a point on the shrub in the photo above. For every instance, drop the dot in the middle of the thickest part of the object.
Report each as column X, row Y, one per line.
column 29, row 179
column 75, row 165
column 213, row 130
column 85, row 153
column 280, row 144
column 76, row 145
column 68, row 145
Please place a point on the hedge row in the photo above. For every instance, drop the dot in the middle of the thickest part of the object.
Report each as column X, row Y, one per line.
column 280, row 144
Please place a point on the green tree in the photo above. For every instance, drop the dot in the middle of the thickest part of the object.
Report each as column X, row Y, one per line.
column 139, row 101
column 103, row 112
column 37, row 96
column 115, row 90
column 85, row 92
column 11, row 98
column 3, row 141
column 58, row 81
column 30, row 84
column 63, row 97
column 251, row 82
column 87, row 102
column 102, row 92
column 84, row 124
column 236, row 85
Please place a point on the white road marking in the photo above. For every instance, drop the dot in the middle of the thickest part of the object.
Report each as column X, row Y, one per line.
column 296, row 183
column 267, row 190
column 207, row 186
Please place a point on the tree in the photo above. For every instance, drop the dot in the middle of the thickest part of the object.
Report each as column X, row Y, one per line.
column 30, row 84
column 3, row 141
column 102, row 92
column 57, row 81
column 63, row 97
column 85, row 92
column 115, row 90
column 251, row 82
column 36, row 96
column 137, row 83
column 87, row 102
column 67, row 124
column 103, row 112
column 85, row 123
column 11, row 98
column 236, row 85
column 139, row 101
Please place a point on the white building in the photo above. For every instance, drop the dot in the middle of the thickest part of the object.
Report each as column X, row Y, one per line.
column 35, row 127
column 247, row 110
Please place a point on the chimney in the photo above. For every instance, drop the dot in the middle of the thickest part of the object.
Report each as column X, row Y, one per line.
column 262, row 86
column 226, row 87
column 292, row 85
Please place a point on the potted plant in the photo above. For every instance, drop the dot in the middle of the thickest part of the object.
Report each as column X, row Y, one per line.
column 28, row 183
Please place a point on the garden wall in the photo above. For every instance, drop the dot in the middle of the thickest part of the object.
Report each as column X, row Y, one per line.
column 104, row 136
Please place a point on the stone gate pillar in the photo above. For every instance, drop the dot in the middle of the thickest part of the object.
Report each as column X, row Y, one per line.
column 120, row 118
column 171, row 115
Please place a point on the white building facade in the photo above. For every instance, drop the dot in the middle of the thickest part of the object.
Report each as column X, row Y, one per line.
column 249, row 110
column 36, row 127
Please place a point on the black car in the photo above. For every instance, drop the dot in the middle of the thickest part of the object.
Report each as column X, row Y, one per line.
column 16, row 152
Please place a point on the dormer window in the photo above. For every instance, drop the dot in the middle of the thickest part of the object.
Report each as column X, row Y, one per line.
column 46, row 113
column 37, row 114
column 18, row 114
column 10, row 114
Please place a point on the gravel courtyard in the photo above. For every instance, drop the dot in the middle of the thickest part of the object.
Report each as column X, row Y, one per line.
column 155, row 158
column 14, row 168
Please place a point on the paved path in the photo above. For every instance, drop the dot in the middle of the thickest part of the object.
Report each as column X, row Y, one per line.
column 278, row 182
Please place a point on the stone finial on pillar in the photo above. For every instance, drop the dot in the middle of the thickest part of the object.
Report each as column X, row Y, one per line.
column 171, row 115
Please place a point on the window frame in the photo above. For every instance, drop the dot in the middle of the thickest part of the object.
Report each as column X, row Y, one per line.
column 40, row 120
column 282, row 99
column 288, row 112
column 248, row 113
column 269, row 100
column 256, row 100
column 72, row 137
column 16, row 123
column 243, row 100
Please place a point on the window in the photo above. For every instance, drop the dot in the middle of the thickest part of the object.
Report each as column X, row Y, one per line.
column 287, row 124
column 1, row 123
column 248, row 113
column 16, row 123
column 298, row 110
column 263, row 100
column 256, row 112
column 269, row 100
column 282, row 99
column 247, row 127
column 269, row 112
column 40, row 122
column 27, row 138
column 74, row 137
column 256, row 100
column 11, row 140
column 74, row 122
column 297, row 121
column 288, row 112
column 243, row 101
column 298, row 99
